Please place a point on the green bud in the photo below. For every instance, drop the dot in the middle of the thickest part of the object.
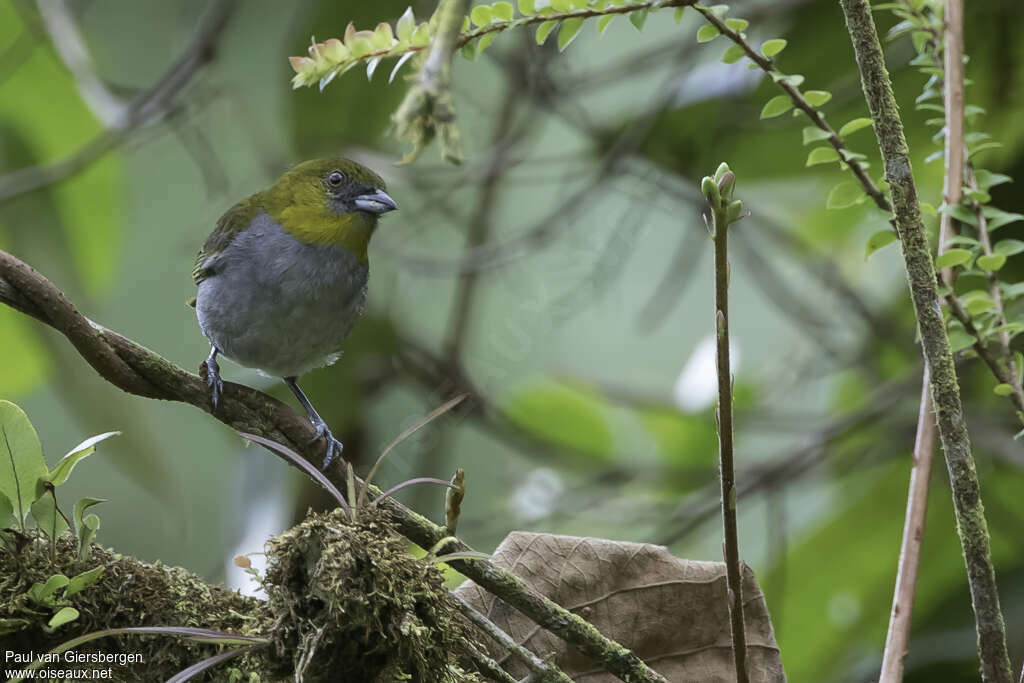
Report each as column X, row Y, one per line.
column 726, row 183
column 710, row 191
column 723, row 168
column 734, row 210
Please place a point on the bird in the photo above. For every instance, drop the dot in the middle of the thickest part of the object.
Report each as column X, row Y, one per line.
column 283, row 277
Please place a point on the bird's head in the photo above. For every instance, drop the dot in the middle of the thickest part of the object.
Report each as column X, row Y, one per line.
column 330, row 201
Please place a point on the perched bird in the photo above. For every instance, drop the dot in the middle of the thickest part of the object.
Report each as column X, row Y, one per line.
column 282, row 278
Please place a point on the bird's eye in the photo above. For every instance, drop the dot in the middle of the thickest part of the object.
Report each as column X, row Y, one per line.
column 335, row 178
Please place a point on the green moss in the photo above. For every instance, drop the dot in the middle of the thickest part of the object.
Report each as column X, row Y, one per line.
column 346, row 602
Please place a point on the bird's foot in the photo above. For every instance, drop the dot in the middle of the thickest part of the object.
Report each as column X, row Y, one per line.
column 213, row 381
column 334, row 447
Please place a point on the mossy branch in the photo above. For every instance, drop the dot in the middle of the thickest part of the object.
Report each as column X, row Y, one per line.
column 971, row 523
column 137, row 370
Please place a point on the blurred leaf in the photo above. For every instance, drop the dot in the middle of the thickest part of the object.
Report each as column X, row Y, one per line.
column 82, row 581
column 879, row 240
column 991, row 263
column 481, row 15
column 63, row 616
column 603, row 22
column 502, row 11
column 960, row 340
column 737, row 25
column 822, row 155
column 563, row 415
column 1002, row 390
column 62, row 471
column 80, row 507
column 770, row 48
column 47, row 518
column 853, row 126
column 568, row 32
column 90, row 525
column 814, row 134
column 638, row 18
column 952, row 257
column 845, row 194
column 816, row 98
column 544, row 30
column 6, row 513
column 997, row 218
column 776, row 106
column 733, row 54
column 1008, row 247
column 987, row 179
column 44, row 593
column 706, row 33
column 22, row 466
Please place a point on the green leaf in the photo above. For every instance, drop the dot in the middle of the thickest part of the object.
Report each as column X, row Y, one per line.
column 638, row 19
column 1008, row 247
column 484, row 41
column 80, row 507
column 822, row 155
column 603, row 22
column 853, row 126
column 43, row 593
column 405, row 25
column 527, row 8
column 679, row 14
column 421, row 36
column 980, row 196
column 770, row 48
column 82, row 581
column 952, row 257
column 1002, row 390
column 502, row 11
column 979, row 304
column 733, row 54
column 544, row 30
column 568, row 32
column 90, row 525
column 561, row 6
column 991, row 263
column 22, row 466
column 561, row 414
column 816, row 98
column 706, row 33
column 776, row 106
column 929, row 209
column 65, row 615
column 845, row 194
column 997, row 218
column 6, row 515
column 987, row 179
column 814, row 134
column 47, row 518
column 481, row 15
column 737, row 25
column 960, row 340
column 62, row 471
column 879, row 240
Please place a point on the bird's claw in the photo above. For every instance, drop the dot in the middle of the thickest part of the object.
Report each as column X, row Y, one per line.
column 213, row 381
column 334, row 447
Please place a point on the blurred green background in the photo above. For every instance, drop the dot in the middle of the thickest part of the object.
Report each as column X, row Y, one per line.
column 562, row 274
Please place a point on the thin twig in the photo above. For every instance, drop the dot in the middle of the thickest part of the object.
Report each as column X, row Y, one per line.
column 971, row 523
column 138, row 370
column 545, row 670
column 727, row 473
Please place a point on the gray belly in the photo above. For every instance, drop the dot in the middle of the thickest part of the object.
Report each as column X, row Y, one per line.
column 278, row 304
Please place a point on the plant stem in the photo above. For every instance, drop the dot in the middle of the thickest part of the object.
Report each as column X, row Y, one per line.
column 971, row 523
column 727, row 474
column 898, row 636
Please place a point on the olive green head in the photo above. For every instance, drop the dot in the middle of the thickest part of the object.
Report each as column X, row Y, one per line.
column 329, row 201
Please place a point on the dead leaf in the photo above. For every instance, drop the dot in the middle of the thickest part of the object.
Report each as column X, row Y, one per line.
column 673, row 613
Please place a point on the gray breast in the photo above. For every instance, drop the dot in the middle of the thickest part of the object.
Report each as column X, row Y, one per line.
column 278, row 304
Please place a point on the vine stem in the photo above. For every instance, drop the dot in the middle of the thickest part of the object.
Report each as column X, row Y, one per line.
column 898, row 636
column 727, row 474
column 952, row 427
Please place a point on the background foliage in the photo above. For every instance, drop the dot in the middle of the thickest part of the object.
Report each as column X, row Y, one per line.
column 578, row 313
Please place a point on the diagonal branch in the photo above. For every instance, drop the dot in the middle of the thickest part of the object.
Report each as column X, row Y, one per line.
column 138, row 370
column 945, row 390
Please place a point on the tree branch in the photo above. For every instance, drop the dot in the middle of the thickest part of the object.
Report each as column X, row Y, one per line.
column 971, row 523
column 138, row 370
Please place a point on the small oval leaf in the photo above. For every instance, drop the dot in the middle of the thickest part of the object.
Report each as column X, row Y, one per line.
column 952, row 257
column 776, row 106
column 991, row 263
column 822, row 155
column 770, row 48
column 879, row 240
column 568, row 32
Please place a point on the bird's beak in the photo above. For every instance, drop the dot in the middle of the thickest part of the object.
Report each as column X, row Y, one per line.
column 377, row 201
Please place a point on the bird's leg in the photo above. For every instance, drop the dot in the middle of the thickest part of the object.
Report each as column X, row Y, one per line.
column 213, row 380
column 334, row 446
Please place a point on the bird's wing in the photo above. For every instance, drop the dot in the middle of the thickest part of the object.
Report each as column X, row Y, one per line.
column 234, row 221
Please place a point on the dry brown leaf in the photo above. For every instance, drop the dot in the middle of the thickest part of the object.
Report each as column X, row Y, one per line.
column 673, row 613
